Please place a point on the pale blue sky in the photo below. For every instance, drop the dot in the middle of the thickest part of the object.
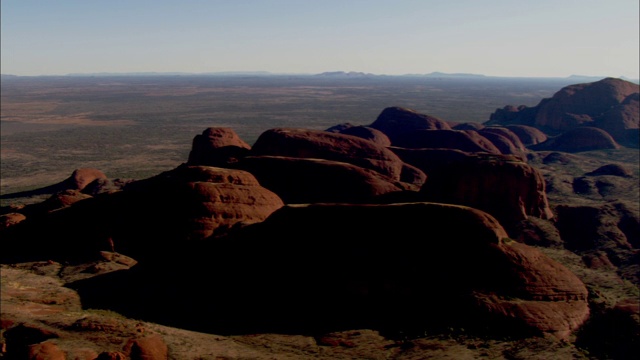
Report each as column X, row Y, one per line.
column 491, row 37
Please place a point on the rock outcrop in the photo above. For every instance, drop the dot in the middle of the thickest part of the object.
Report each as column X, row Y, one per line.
column 300, row 180
column 464, row 140
column 577, row 140
column 367, row 133
column 323, row 267
column 315, row 144
column 396, row 122
column 528, row 135
column 217, row 146
column 83, row 177
column 506, row 187
column 147, row 218
column 611, row 169
column 609, row 104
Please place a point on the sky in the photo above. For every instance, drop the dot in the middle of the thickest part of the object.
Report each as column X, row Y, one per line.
column 515, row 38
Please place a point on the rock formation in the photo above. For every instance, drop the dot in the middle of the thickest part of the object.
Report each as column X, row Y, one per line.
column 396, row 122
column 301, row 180
column 609, row 104
column 367, row 133
column 577, row 140
column 217, row 147
column 148, row 217
column 464, row 140
column 528, row 135
column 323, row 267
column 302, row 143
column 611, row 169
column 506, row 187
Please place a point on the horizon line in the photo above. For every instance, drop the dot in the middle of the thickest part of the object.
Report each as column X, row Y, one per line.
column 325, row 73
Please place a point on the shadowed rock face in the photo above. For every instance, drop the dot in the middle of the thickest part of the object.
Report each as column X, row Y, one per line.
column 622, row 121
column 148, row 217
column 323, row 267
column 217, row 147
column 504, row 186
column 315, row 144
column 577, row 140
column 612, row 226
column 297, row 180
column 396, row 122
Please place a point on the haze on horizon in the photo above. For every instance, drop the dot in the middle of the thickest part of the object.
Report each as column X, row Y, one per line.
column 545, row 38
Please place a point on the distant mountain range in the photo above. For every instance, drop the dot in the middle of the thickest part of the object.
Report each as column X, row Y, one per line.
column 330, row 74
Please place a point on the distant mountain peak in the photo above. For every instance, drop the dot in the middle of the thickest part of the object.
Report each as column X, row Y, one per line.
column 345, row 74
